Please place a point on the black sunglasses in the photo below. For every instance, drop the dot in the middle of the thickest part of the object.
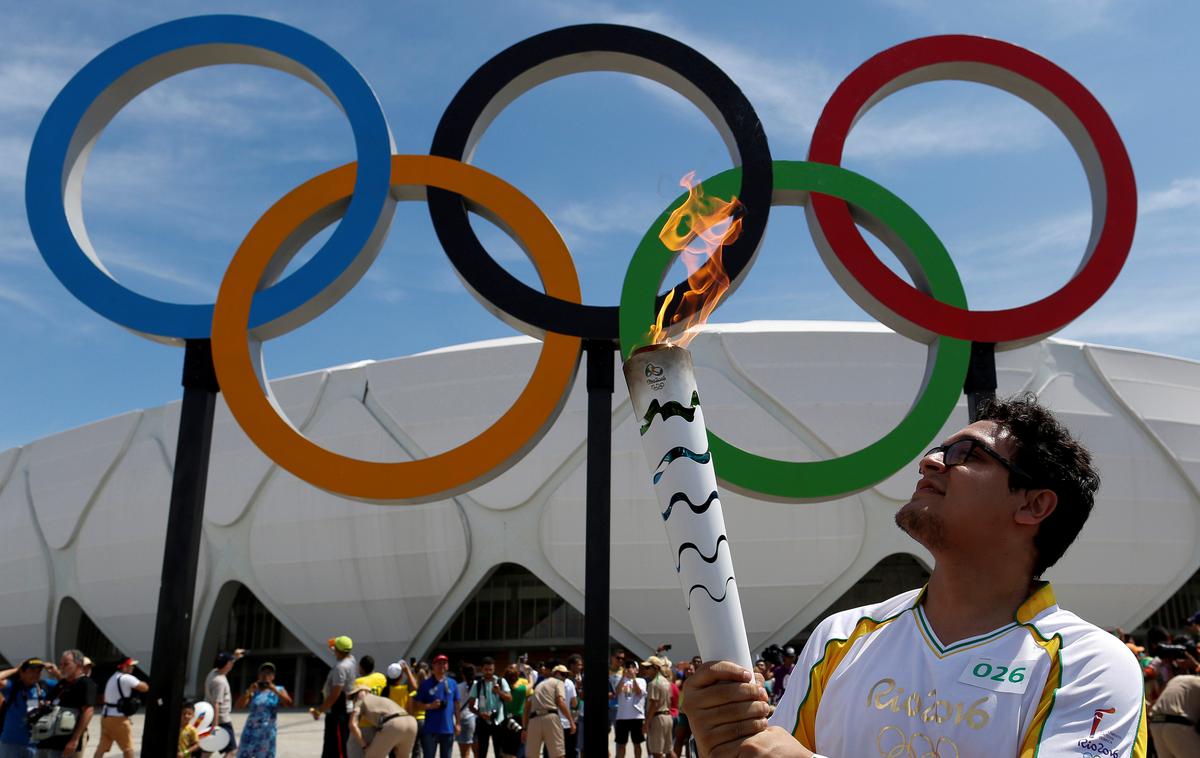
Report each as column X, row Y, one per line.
column 959, row 452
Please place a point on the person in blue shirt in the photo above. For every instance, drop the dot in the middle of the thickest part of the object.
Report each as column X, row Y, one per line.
column 21, row 692
column 439, row 694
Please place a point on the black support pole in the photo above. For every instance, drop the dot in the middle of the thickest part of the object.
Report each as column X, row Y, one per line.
column 181, row 552
column 598, row 539
column 980, row 384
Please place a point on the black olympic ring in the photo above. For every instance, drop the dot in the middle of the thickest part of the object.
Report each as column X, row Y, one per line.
column 570, row 50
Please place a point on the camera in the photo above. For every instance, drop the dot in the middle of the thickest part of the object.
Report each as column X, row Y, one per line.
column 773, row 654
column 1171, row 652
column 262, row 685
column 33, row 715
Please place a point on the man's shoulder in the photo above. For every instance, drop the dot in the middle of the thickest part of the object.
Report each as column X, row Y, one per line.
column 842, row 625
column 1082, row 643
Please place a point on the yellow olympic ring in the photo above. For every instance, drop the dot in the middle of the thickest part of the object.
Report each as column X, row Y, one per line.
column 295, row 219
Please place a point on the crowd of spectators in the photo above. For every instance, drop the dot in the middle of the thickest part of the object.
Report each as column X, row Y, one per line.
column 45, row 709
column 475, row 708
column 1171, row 670
column 409, row 708
column 432, row 709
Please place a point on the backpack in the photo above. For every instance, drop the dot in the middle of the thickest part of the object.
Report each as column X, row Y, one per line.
column 127, row 704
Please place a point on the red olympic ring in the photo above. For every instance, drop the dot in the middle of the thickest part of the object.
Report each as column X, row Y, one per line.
column 1043, row 85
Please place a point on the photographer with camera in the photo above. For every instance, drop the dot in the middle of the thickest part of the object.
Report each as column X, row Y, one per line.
column 22, row 693
column 1170, row 660
column 119, row 705
column 487, row 699
column 72, row 702
column 264, row 698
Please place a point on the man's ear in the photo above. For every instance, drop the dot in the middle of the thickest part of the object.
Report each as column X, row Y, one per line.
column 1038, row 506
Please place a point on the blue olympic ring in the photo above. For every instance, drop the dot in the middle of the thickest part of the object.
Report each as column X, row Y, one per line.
column 110, row 81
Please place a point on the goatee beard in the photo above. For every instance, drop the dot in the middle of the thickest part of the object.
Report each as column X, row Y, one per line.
column 923, row 526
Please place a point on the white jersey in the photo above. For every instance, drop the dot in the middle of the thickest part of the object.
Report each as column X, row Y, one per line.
column 876, row 681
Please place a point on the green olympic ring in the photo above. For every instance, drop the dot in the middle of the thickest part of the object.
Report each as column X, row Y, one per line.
column 925, row 258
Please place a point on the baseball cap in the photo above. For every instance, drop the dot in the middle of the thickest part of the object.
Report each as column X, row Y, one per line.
column 395, row 671
column 267, row 667
column 651, row 662
column 222, row 658
column 342, row 644
column 561, row 669
column 440, row 657
column 32, row 663
column 789, row 651
column 1194, row 618
column 127, row 662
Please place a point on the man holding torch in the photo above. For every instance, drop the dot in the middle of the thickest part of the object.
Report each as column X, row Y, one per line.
column 982, row 661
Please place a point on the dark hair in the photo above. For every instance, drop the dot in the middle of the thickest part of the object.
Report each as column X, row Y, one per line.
column 367, row 664
column 572, row 658
column 1054, row 460
column 1155, row 636
column 485, row 660
column 468, row 670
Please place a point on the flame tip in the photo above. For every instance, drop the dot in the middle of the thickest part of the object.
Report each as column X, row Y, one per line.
column 700, row 227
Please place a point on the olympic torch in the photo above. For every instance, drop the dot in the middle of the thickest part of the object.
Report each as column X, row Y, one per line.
column 667, row 406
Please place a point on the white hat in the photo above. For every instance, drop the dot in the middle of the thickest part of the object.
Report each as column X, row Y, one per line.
column 395, row 671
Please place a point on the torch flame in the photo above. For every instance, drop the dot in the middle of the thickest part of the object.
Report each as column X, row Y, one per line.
column 698, row 230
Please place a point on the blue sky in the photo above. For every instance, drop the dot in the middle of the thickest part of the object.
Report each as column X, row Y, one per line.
column 183, row 172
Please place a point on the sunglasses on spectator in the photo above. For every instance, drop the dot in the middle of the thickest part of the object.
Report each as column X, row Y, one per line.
column 959, row 452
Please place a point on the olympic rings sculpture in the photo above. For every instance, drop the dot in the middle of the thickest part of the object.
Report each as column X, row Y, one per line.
column 255, row 304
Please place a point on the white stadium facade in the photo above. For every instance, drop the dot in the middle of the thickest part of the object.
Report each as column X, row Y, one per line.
column 285, row 566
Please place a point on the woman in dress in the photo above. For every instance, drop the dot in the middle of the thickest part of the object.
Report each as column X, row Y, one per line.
column 264, row 698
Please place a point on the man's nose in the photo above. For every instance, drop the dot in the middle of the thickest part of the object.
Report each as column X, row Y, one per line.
column 931, row 462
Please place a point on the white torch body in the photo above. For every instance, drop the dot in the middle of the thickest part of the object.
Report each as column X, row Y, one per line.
column 666, row 404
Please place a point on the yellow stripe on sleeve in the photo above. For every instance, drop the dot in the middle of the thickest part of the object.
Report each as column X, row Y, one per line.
column 818, row 676
column 1053, row 648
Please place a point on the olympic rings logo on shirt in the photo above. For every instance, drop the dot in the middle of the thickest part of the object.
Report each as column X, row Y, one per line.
column 255, row 303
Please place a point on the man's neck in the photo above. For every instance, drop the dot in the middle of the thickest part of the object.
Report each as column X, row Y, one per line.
column 963, row 602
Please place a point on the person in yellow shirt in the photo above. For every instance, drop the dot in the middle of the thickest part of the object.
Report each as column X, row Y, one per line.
column 401, row 688
column 368, row 678
column 189, row 738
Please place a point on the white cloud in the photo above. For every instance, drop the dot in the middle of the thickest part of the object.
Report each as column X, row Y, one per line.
column 1055, row 18
column 147, row 266
column 22, row 300
column 789, row 93
column 949, row 131
column 1181, row 193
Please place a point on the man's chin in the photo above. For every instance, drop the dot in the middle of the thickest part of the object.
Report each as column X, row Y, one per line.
column 924, row 526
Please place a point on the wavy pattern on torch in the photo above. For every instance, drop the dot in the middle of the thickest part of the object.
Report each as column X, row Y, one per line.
column 697, row 509
column 676, row 453
column 693, row 546
column 671, row 408
column 714, row 598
